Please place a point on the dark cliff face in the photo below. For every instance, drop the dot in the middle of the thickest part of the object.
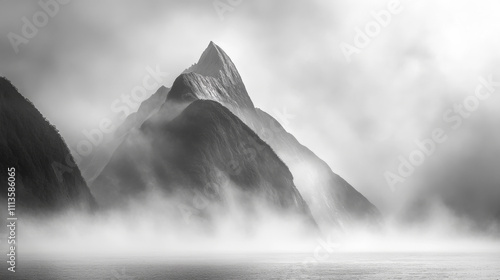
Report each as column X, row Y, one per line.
column 146, row 109
column 218, row 79
column 206, row 134
column 205, row 149
column 46, row 177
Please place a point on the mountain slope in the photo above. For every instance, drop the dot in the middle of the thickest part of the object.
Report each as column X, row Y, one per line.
column 333, row 202
column 219, row 78
column 204, row 149
column 46, row 177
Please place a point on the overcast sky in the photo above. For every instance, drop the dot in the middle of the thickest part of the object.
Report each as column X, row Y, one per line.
column 358, row 116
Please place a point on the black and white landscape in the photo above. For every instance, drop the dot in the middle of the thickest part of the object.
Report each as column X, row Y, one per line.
column 249, row 140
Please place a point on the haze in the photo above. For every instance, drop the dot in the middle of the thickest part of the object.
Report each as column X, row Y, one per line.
column 358, row 116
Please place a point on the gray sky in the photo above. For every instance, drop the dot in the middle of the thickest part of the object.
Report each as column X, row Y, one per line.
column 359, row 116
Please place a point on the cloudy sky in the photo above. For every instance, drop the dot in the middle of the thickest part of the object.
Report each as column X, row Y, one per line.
column 359, row 113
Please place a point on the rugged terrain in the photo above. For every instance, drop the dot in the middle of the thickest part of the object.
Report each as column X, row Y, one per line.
column 47, row 179
column 181, row 160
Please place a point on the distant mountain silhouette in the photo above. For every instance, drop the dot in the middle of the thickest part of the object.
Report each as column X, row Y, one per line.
column 92, row 165
column 46, row 177
column 205, row 149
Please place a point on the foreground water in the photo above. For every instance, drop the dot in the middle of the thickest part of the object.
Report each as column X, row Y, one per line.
column 270, row 266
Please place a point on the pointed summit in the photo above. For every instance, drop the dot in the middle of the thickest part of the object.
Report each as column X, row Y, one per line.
column 214, row 77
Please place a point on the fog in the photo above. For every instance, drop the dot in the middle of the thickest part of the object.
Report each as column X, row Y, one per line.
column 157, row 225
column 358, row 116
column 152, row 228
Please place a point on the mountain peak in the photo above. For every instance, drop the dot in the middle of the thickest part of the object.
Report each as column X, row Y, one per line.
column 212, row 45
column 213, row 60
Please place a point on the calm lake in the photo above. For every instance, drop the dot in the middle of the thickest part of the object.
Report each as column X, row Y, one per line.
column 271, row 266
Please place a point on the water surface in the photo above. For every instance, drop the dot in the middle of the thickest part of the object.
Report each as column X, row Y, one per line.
column 270, row 266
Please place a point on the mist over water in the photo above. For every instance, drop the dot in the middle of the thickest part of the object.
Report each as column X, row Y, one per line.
column 138, row 243
column 157, row 226
column 160, row 237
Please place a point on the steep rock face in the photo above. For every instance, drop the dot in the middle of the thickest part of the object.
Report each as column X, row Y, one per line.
column 204, row 149
column 46, row 177
column 332, row 200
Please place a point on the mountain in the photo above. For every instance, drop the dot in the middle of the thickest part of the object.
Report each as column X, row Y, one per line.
column 45, row 174
column 204, row 149
column 92, row 165
column 333, row 202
